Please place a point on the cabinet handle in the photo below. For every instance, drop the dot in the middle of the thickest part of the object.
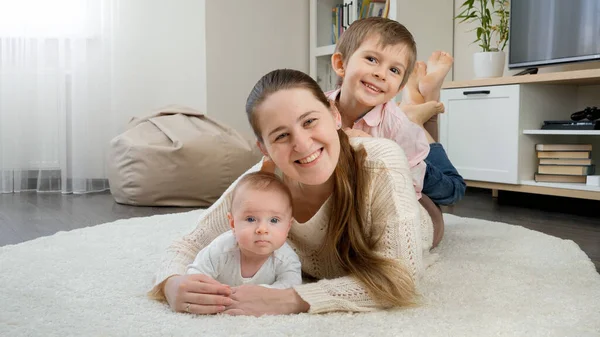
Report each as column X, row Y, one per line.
column 476, row 92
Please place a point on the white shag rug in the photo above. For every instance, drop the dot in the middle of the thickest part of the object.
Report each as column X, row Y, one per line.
column 490, row 279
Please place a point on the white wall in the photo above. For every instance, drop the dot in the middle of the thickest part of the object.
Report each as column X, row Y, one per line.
column 203, row 54
column 463, row 53
column 245, row 40
column 431, row 23
column 160, row 55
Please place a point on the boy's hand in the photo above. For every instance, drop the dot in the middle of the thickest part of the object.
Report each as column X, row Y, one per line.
column 356, row 133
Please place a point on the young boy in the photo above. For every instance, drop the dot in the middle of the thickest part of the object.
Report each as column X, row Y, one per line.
column 255, row 250
column 373, row 59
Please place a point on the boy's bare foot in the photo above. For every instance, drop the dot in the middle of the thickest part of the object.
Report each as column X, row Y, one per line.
column 438, row 66
column 421, row 113
column 410, row 93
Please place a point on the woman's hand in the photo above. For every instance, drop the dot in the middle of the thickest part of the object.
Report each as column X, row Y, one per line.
column 255, row 300
column 356, row 133
column 196, row 294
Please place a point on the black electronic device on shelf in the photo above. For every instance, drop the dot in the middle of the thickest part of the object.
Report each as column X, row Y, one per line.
column 586, row 119
column 571, row 125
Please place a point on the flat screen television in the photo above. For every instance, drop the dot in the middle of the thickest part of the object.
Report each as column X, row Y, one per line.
column 545, row 32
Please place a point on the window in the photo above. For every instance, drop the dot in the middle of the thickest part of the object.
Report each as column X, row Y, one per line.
column 47, row 18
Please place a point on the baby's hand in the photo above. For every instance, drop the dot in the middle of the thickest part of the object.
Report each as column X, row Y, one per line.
column 355, row 133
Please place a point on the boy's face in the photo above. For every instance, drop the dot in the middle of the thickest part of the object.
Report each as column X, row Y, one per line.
column 372, row 75
column 260, row 220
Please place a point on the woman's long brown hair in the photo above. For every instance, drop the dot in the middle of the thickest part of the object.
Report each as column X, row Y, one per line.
column 386, row 280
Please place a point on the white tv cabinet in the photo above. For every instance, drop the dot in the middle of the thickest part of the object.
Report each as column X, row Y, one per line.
column 491, row 126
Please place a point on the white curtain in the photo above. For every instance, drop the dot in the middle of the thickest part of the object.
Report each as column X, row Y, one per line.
column 56, row 100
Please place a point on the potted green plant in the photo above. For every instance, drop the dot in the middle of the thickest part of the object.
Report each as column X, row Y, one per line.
column 491, row 32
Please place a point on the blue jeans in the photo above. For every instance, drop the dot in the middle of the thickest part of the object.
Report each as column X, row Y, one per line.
column 443, row 185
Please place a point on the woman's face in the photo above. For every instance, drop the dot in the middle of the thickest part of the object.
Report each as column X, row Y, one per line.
column 299, row 135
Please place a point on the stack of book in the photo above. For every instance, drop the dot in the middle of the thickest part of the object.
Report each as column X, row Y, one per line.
column 343, row 15
column 564, row 163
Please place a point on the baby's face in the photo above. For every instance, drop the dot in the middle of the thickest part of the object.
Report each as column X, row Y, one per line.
column 261, row 220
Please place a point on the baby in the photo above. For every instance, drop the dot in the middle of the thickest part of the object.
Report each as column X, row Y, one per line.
column 254, row 251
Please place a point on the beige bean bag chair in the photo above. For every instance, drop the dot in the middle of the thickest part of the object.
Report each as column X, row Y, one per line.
column 176, row 157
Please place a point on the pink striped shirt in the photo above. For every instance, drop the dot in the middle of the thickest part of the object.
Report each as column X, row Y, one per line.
column 388, row 121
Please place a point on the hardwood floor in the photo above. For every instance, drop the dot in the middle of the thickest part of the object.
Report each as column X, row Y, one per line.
column 566, row 218
column 26, row 216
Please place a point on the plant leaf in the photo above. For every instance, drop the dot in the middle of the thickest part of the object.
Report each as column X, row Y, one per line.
column 492, row 21
column 463, row 20
column 468, row 17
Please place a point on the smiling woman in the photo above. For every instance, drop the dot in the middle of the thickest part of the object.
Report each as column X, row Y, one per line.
column 299, row 142
column 358, row 227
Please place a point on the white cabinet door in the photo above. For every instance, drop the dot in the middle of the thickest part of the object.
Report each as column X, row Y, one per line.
column 480, row 131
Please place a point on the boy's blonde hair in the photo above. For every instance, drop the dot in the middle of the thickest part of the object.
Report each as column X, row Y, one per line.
column 390, row 32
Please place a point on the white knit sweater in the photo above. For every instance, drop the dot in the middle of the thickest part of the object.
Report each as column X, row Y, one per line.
column 391, row 207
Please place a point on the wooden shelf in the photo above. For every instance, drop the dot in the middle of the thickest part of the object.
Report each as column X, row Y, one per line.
column 563, row 132
column 582, row 191
column 325, row 50
column 568, row 186
column 577, row 77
